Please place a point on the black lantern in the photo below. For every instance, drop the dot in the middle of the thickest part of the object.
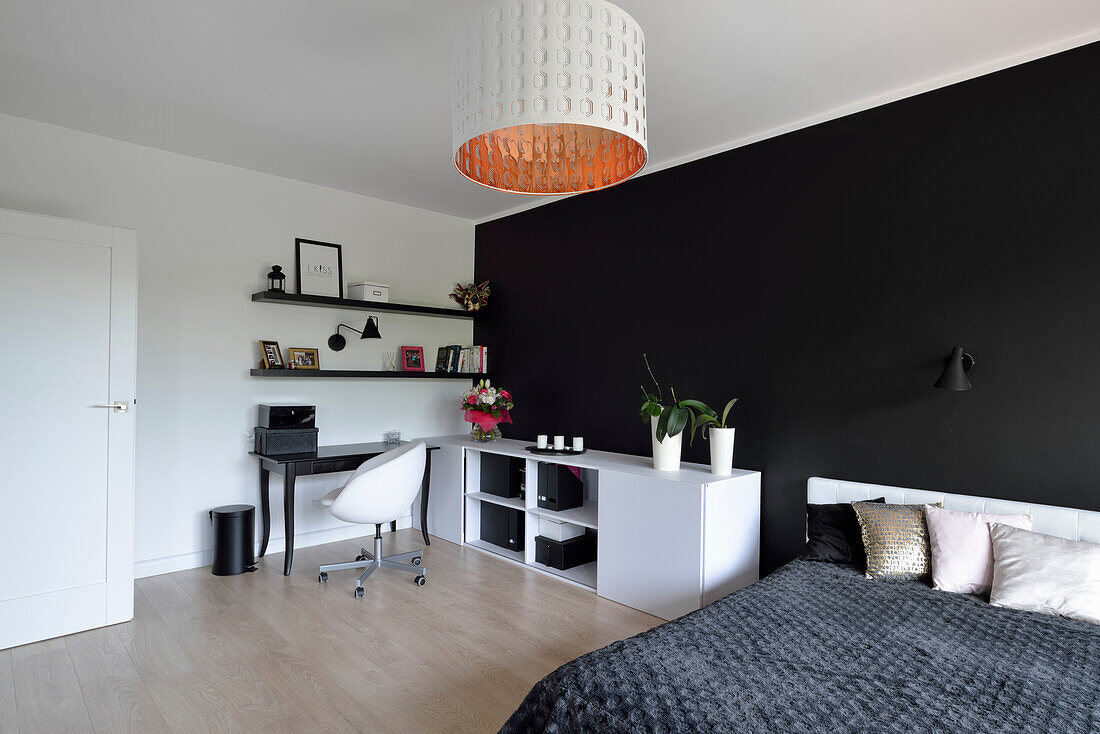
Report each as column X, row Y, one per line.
column 276, row 280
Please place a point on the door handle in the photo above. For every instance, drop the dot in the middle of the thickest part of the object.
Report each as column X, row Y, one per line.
column 120, row 407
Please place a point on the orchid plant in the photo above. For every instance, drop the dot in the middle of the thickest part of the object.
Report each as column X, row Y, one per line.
column 701, row 421
column 673, row 418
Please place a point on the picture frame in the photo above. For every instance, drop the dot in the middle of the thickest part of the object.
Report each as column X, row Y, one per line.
column 303, row 358
column 272, row 356
column 412, row 359
column 320, row 267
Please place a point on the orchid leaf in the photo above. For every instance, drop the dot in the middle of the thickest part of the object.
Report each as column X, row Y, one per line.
column 699, row 406
column 662, row 424
column 726, row 411
column 677, row 419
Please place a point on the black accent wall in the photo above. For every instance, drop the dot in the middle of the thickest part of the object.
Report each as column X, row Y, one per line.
column 822, row 277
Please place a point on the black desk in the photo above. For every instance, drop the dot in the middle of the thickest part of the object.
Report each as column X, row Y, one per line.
column 327, row 460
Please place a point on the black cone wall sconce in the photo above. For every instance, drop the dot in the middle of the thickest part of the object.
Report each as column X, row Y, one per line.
column 336, row 342
column 954, row 373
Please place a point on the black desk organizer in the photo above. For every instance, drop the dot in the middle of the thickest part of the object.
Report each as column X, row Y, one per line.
column 559, row 487
column 279, row 441
column 502, row 475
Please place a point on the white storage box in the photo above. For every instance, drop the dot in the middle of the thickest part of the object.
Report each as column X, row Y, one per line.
column 555, row 530
column 368, row 292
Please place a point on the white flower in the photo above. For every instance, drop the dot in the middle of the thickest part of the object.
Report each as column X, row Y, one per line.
column 488, row 398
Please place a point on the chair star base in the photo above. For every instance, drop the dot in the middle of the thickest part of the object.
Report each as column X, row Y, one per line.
column 371, row 561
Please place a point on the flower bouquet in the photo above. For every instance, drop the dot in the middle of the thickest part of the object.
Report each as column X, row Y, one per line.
column 486, row 406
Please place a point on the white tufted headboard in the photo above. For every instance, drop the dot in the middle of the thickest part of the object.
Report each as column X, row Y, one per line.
column 1063, row 522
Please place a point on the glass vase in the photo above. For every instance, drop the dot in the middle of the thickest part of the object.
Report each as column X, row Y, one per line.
column 484, row 436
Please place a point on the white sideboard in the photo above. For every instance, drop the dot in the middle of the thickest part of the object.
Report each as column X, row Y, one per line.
column 666, row 542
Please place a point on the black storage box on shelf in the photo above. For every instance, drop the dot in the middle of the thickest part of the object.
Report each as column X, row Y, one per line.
column 279, row 441
column 502, row 526
column 234, row 530
column 287, row 416
column 565, row 554
column 502, row 475
column 559, row 487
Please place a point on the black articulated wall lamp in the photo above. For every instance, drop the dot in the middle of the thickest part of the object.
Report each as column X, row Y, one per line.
column 336, row 342
column 954, row 373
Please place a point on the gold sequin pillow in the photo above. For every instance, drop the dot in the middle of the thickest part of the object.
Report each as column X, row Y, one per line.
column 896, row 539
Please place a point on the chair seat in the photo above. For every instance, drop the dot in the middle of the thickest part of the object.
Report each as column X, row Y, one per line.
column 382, row 488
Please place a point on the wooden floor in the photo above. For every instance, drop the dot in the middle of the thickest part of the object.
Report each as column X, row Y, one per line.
column 266, row 653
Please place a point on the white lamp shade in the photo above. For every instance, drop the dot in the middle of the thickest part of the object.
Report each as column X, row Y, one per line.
column 549, row 96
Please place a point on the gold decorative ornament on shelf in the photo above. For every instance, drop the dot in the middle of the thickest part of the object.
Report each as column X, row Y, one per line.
column 470, row 296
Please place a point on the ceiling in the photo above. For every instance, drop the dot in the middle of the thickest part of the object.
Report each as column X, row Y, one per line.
column 355, row 94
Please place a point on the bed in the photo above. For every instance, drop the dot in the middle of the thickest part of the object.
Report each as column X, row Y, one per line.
column 816, row 647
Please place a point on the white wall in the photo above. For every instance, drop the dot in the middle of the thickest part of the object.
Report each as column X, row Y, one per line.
column 207, row 234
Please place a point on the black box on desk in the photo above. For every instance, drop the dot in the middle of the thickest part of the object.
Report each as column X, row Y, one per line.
column 502, row 526
column 559, row 487
column 565, row 554
column 287, row 416
column 278, row 441
column 502, row 475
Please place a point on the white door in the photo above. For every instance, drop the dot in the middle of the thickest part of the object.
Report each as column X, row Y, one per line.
column 68, row 296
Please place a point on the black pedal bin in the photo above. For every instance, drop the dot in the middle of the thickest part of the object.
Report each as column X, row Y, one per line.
column 234, row 539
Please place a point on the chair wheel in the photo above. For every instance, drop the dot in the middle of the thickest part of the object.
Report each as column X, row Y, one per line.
column 359, row 592
column 360, row 558
column 419, row 580
column 417, row 561
column 322, row 577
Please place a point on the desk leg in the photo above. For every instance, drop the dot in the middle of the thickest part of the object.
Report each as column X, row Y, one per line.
column 424, row 485
column 288, row 516
column 265, row 507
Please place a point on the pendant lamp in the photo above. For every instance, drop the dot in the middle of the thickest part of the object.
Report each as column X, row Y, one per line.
column 549, row 97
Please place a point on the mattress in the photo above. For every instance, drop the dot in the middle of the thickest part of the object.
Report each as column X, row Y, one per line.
column 816, row 647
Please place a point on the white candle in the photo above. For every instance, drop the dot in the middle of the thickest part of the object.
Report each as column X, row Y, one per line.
column 541, row 441
column 559, row 443
column 578, row 443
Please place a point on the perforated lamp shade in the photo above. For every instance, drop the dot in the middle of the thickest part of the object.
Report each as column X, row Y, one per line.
column 549, row 97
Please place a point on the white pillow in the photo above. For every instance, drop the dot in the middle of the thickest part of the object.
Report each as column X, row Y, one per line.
column 1045, row 574
column 962, row 554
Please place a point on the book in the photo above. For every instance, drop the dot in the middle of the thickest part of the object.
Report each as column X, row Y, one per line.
column 441, row 359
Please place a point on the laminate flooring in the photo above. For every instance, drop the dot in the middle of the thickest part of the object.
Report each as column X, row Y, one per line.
column 263, row 652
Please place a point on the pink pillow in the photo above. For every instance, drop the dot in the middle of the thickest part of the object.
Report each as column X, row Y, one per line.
column 962, row 551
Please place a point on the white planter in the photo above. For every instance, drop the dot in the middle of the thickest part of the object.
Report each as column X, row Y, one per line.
column 721, row 450
column 666, row 454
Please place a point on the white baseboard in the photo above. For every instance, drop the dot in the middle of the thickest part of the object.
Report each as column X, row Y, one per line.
column 198, row 559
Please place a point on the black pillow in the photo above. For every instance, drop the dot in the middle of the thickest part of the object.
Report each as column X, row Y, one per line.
column 834, row 534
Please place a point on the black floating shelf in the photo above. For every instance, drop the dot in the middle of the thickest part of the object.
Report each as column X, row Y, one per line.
column 370, row 374
column 328, row 302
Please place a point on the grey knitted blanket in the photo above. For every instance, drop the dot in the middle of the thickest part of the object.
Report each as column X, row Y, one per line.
column 817, row 648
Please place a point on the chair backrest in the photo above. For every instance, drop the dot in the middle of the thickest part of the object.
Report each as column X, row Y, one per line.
column 382, row 488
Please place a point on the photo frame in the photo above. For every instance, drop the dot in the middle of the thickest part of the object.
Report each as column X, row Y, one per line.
column 412, row 359
column 320, row 267
column 302, row 358
column 272, row 356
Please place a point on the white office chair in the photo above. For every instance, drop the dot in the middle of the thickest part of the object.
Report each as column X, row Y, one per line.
column 379, row 491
